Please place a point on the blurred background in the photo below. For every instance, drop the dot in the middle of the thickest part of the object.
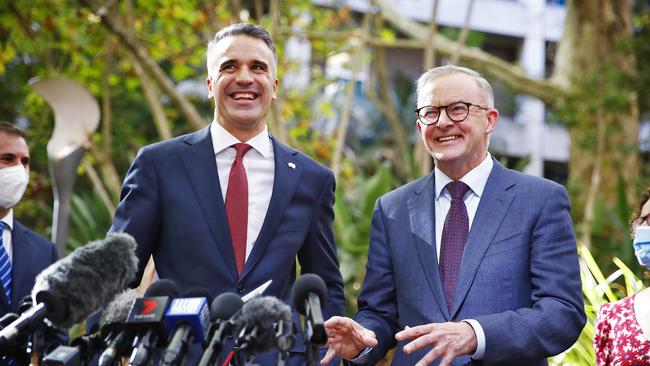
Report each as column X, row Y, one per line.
column 571, row 80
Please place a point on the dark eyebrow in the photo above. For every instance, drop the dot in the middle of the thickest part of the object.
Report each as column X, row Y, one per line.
column 261, row 64
column 227, row 63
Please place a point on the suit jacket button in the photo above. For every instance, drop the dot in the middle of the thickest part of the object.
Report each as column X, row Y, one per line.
column 240, row 289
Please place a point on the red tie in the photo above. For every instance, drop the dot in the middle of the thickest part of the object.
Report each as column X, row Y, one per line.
column 237, row 204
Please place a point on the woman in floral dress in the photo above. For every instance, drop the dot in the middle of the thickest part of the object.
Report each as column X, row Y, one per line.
column 622, row 335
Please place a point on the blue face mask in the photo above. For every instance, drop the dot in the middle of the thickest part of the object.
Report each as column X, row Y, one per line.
column 642, row 245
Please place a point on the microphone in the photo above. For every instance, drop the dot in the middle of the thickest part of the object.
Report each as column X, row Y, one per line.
column 7, row 319
column 258, row 321
column 309, row 292
column 189, row 316
column 114, row 335
column 146, row 316
column 223, row 310
column 70, row 289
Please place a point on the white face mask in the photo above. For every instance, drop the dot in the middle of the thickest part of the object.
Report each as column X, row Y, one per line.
column 13, row 182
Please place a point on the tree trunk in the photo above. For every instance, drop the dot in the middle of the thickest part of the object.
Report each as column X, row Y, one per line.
column 423, row 159
column 356, row 59
column 402, row 161
column 150, row 92
column 601, row 109
column 111, row 181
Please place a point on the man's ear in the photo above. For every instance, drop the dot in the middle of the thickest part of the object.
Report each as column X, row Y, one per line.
column 208, row 82
column 492, row 119
column 275, row 89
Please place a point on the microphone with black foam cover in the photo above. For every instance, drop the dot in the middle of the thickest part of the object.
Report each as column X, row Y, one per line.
column 223, row 310
column 72, row 288
column 309, row 293
column 189, row 317
column 257, row 324
column 146, row 320
column 113, row 337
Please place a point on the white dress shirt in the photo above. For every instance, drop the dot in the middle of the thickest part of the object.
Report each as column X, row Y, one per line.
column 6, row 234
column 476, row 179
column 259, row 163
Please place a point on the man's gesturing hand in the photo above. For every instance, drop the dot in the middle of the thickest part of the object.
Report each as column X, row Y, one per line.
column 346, row 339
column 448, row 340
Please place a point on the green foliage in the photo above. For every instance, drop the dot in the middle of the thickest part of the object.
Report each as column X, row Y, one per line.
column 597, row 290
column 611, row 231
column 89, row 219
column 353, row 210
column 641, row 49
column 474, row 39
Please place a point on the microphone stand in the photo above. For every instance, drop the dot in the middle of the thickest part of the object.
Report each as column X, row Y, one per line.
column 38, row 346
column 284, row 342
column 311, row 349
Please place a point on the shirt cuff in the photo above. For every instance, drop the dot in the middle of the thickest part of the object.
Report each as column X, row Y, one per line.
column 362, row 358
column 480, row 339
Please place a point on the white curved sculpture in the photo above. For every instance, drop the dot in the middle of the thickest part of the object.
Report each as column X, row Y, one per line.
column 76, row 117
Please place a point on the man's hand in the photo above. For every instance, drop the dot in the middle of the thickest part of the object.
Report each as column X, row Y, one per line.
column 346, row 338
column 448, row 340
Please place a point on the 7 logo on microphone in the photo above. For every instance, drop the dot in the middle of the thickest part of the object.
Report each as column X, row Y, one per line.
column 148, row 309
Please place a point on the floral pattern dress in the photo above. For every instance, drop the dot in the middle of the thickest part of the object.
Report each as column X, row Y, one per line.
column 619, row 339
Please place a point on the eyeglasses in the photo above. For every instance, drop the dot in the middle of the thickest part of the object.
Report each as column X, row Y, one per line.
column 457, row 112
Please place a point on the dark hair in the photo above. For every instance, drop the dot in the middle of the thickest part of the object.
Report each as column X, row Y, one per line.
column 10, row 129
column 645, row 196
column 243, row 29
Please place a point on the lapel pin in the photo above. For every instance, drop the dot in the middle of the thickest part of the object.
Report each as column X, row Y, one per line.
column 292, row 165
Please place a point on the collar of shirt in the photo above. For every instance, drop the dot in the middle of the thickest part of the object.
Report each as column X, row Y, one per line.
column 9, row 219
column 476, row 178
column 222, row 139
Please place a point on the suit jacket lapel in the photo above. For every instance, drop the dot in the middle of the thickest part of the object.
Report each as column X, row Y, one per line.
column 423, row 224
column 200, row 164
column 20, row 264
column 491, row 211
column 287, row 175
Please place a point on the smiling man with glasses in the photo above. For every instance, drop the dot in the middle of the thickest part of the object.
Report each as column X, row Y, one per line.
column 472, row 263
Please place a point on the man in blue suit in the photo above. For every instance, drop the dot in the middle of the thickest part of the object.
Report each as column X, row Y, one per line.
column 229, row 207
column 23, row 253
column 473, row 263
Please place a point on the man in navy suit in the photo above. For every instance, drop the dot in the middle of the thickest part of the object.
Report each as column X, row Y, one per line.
column 23, row 253
column 28, row 252
column 473, row 263
column 229, row 207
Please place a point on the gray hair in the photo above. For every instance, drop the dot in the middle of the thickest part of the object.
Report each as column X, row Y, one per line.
column 242, row 29
column 440, row 71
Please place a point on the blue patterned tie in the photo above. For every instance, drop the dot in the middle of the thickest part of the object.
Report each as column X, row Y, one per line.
column 454, row 237
column 5, row 266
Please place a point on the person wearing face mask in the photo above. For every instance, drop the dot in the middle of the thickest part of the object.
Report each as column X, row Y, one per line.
column 622, row 335
column 23, row 253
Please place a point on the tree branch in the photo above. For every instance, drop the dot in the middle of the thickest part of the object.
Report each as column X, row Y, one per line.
column 546, row 90
column 153, row 69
